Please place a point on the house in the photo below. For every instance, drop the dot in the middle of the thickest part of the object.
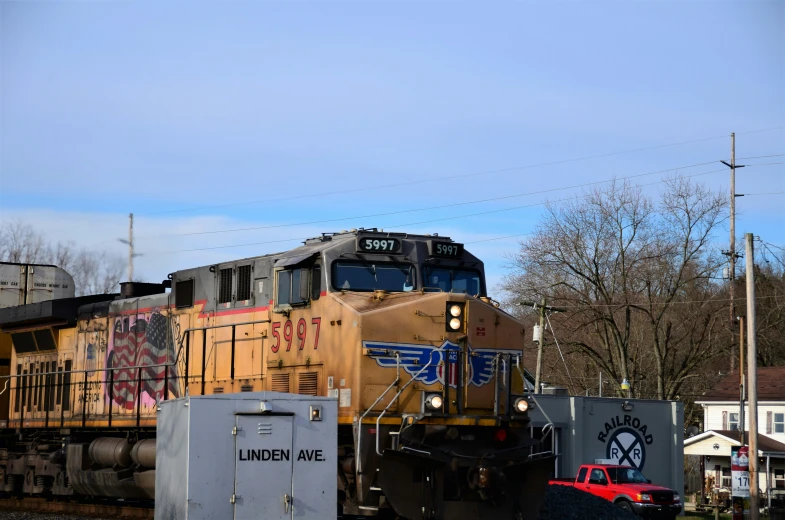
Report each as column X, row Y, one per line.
column 722, row 429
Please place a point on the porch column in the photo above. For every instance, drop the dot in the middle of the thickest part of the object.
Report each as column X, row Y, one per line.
column 768, row 483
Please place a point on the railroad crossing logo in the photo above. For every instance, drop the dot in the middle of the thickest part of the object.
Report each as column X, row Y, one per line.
column 627, row 447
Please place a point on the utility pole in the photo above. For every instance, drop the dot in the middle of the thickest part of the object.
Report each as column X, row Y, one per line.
column 741, row 380
column 538, row 373
column 542, row 309
column 752, row 364
column 732, row 251
column 130, row 244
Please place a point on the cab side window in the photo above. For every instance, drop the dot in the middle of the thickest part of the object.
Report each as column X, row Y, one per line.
column 316, row 282
column 582, row 475
column 293, row 287
column 597, row 477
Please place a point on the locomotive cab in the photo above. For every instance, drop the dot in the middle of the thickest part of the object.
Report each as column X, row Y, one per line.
column 436, row 410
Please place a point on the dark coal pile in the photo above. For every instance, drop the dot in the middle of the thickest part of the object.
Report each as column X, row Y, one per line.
column 26, row 515
column 567, row 503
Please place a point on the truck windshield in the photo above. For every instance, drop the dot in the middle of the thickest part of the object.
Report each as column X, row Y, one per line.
column 453, row 280
column 626, row 476
column 371, row 276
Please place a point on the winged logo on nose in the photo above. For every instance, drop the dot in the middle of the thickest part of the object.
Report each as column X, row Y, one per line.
column 425, row 362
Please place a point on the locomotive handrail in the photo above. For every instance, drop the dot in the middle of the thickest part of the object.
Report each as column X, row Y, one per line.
column 358, row 456
column 414, row 378
column 225, row 325
column 49, row 387
column 187, row 339
column 90, row 370
column 547, row 427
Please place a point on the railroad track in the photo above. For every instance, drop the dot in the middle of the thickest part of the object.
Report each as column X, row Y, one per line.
column 114, row 510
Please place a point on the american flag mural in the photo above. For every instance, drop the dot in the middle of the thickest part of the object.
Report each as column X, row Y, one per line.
column 140, row 342
column 452, row 362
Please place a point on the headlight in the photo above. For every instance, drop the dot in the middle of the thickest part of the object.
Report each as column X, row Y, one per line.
column 644, row 497
column 676, row 497
column 455, row 316
column 434, row 402
column 521, row 405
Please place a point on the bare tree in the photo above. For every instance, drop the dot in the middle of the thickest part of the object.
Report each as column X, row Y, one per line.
column 770, row 310
column 20, row 243
column 636, row 279
column 94, row 272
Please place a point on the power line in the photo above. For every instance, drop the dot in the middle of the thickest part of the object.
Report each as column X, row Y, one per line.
column 428, row 208
column 529, row 205
column 498, row 238
column 397, row 226
column 625, row 304
column 759, row 131
column 458, row 176
column 761, row 156
column 775, row 255
column 766, row 193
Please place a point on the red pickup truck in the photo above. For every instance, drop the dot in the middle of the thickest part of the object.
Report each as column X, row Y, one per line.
column 626, row 487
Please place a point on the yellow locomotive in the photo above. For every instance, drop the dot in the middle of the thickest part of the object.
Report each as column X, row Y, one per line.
column 426, row 368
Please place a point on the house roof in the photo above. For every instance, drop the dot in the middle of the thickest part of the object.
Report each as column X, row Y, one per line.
column 764, row 443
column 771, row 386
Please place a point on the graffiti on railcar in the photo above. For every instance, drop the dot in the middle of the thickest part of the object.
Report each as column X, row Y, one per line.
column 144, row 340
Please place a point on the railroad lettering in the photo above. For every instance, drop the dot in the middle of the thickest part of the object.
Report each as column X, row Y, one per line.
column 629, row 421
column 311, row 455
column 264, row 455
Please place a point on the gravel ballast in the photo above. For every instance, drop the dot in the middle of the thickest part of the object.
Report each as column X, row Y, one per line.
column 568, row 503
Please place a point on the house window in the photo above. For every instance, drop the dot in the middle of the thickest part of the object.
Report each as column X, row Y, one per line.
column 726, row 477
column 779, row 423
column 733, row 421
column 779, row 478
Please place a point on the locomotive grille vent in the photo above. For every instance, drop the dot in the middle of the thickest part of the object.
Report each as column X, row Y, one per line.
column 225, row 287
column 308, row 383
column 218, row 390
column 244, row 283
column 246, row 388
column 280, row 383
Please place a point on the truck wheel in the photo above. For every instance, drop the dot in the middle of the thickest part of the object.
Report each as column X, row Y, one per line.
column 624, row 504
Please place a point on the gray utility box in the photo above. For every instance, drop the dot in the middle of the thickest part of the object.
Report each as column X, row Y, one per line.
column 264, row 455
column 646, row 434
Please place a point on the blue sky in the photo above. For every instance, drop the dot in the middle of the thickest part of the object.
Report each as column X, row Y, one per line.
column 108, row 108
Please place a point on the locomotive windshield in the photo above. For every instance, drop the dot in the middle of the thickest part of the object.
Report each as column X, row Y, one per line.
column 370, row 276
column 453, row 280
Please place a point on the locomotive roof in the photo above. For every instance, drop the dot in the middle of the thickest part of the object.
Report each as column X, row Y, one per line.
column 312, row 246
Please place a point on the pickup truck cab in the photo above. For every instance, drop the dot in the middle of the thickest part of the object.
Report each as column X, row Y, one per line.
column 626, row 487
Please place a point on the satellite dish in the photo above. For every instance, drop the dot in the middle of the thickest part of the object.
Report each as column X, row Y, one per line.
column 692, row 431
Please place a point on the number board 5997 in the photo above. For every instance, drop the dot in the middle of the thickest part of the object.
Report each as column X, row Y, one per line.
column 445, row 249
column 378, row 245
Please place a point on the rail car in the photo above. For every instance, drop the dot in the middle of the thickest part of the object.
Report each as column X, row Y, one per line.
column 427, row 370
